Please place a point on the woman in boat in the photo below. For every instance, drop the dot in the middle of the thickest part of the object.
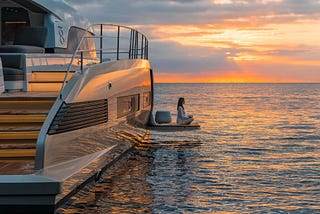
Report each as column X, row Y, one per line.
column 183, row 118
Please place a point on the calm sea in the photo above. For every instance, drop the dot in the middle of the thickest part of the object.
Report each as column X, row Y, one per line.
column 258, row 151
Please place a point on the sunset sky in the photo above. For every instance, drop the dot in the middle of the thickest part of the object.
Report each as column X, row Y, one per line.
column 222, row 40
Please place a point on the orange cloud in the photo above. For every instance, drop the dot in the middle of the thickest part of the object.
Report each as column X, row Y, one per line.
column 267, row 47
column 253, row 50
column 239, row 33
column 223, row 40
column 272, row 69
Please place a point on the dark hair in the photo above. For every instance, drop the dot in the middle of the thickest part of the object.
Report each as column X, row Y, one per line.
column 180, row 103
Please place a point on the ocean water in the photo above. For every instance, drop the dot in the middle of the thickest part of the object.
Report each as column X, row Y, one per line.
column 258, row 151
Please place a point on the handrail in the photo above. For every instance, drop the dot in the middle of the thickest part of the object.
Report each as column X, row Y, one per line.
column 137, row 43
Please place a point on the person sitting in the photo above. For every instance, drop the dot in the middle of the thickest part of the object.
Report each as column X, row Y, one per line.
column 183, row 118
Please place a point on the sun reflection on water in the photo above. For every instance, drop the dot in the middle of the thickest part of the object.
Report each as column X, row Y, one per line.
column 257, row 152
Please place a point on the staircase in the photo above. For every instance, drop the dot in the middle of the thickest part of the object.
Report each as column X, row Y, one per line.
column 21, row 118
column 47, row 81
column 23, row 113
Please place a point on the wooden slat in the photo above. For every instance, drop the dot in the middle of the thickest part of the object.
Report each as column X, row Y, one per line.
column 18, row 146
column 28, row 96
column 18, row 141
column 20, row 126
column 25, row 107
column 22, row 118
column 53, row 71
column 49, row 76
column 18, row 135
column 45, row 87
column 23, row 111
column 17, row 153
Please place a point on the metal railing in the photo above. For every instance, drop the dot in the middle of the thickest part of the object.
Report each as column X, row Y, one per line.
column 113, row 41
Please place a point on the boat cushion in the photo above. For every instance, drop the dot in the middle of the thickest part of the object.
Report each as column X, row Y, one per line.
column 11, row 61
column 32, row 36
column 13, row 74
column 14, row 61
column 27, row 40
column 21, row 49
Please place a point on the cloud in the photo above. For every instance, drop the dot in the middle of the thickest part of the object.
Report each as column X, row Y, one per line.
column 282, row 72
column 173, row 57
column 267, row 39
column 194, row 12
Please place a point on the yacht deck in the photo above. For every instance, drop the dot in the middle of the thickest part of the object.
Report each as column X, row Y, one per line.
column 16, row 167
column 29, row 95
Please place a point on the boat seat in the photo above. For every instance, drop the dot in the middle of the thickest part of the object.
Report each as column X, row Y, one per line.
column 32, row 36
column 21, row 49
column 13, row 74
column 14, row 61
column 27, row 40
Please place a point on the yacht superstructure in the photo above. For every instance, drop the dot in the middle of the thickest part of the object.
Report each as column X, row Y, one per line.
column 68, row 92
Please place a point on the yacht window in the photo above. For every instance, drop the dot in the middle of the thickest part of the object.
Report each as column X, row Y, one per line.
column 127, row 105
column 74, row 37
column 12, row 18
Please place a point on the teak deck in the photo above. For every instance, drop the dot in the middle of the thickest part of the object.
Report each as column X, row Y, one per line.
column 16, row 167
column 28, row 95
column 21, row 117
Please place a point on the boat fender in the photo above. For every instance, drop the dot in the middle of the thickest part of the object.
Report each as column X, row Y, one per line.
column 163, row 117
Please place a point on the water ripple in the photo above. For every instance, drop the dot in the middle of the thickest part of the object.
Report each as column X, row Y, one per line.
column 257, row 152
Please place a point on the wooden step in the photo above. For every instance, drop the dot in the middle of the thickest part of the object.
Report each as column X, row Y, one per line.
column 18, row 135
column 53, row 76
column 18, row 141
column 28, row 96
column 23, row 111
column 20, row 126
column 17, row 153
column 45, row 87
column 10, row 166
column 23, row 118
column 11, row 145
column 25, row 107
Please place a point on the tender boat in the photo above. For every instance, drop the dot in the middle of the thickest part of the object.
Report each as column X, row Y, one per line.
column 73, row 96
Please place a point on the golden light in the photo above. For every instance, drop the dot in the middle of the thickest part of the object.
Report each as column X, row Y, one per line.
column 263, row 40
column 269, row 37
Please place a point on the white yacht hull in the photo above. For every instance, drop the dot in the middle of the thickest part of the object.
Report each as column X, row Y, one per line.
column 108, row 103
column 73, row 99
column 112, row 85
